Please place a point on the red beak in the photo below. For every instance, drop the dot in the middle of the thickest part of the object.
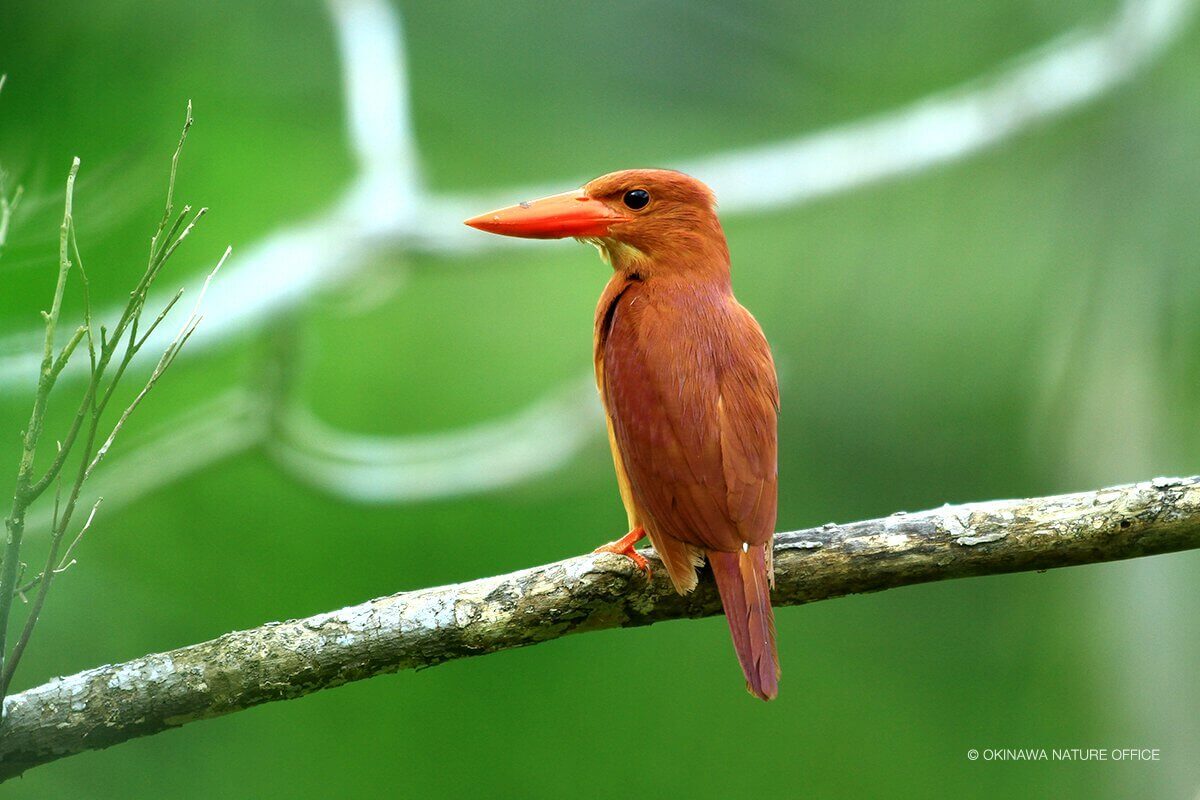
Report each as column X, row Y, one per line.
column 555, row 217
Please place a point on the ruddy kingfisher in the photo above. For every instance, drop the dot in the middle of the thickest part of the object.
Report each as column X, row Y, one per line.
column 688, row 386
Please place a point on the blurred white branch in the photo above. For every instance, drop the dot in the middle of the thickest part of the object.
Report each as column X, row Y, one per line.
column 292, row 264
column 947, row 126
column 380, row 469
column 378, row 117
column 385, row 204
column 108, row 705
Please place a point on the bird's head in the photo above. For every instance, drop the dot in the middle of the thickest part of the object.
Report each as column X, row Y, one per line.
column 638, row 218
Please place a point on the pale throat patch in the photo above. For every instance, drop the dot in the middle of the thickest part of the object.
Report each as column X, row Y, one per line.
column 614, row 251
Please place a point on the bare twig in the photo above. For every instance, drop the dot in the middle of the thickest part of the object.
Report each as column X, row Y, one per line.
column 168, row 358
column 23, row 494
column 66, row 562
column 83, row 435
column 163, row 245
column 112, row 704
column 170, row 204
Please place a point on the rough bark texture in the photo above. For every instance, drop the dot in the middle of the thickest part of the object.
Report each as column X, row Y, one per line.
column 111, row 704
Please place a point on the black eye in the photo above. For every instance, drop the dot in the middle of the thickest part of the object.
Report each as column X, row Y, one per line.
column 636, row 198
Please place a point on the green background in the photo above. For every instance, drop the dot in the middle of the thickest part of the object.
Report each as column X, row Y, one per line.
column 1021, row 322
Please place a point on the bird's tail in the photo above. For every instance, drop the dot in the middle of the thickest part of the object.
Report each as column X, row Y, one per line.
column 743, row 579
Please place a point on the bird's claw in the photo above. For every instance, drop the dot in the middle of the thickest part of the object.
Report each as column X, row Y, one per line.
column 625, row 547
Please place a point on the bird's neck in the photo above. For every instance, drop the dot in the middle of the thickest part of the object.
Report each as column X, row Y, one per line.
column 697, row 261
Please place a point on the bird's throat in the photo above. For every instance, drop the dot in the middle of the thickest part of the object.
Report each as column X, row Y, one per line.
column 619, row 255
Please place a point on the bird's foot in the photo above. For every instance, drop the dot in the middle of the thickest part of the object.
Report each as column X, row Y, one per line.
column 625, row 547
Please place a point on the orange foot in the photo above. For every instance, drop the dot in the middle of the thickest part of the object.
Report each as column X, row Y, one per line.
column 624, row 547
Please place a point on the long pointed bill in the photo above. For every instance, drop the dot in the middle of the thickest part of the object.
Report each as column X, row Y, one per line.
column 555, row 217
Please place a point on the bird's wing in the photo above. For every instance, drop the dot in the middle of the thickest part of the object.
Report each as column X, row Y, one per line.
column 690, row 389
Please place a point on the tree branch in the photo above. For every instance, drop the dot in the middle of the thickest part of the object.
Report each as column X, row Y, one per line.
column 111, row 704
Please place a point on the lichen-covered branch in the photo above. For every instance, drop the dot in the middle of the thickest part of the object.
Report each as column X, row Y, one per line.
column 111, row 704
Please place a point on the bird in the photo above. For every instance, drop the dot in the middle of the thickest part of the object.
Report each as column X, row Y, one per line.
column 689, row 389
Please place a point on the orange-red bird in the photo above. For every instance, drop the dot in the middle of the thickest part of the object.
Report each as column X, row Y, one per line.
column 688, row 386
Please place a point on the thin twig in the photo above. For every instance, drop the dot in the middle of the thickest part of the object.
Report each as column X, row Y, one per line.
column 90, row 457
column 22, row 494
column 138, row 342
column 168, row 358
column 170, row 204
column 56, row 538
column 108, row 345
column 66, row 561
column 83, row 435
column 86, row 288
column 65, row 355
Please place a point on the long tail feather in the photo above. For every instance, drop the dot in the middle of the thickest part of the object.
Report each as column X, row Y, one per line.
column 743, row 579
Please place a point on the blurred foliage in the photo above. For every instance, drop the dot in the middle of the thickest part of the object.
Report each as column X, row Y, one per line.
column 1022, row 322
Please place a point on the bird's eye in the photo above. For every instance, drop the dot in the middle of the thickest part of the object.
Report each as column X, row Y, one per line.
column 636, row 198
